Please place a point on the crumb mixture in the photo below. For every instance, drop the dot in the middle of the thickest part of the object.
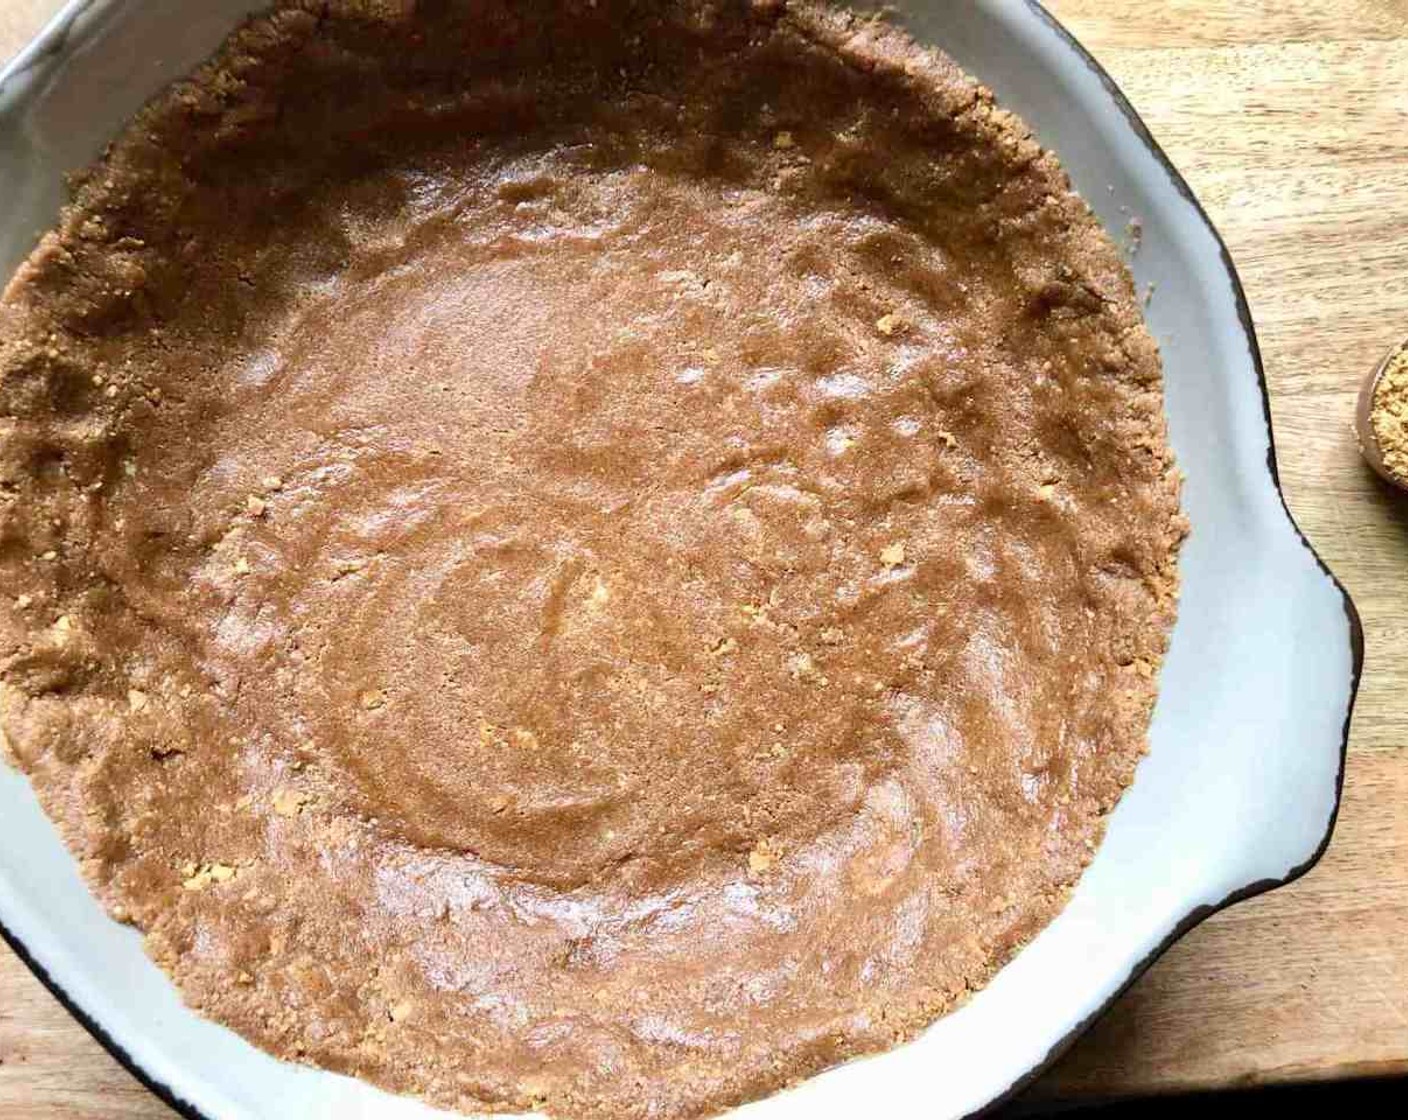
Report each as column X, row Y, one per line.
column 1389, row 415
column 595, row 556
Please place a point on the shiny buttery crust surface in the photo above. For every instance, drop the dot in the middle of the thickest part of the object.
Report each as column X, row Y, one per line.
column 596, row 556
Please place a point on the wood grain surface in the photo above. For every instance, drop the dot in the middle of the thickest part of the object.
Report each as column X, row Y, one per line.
column 1290, row 119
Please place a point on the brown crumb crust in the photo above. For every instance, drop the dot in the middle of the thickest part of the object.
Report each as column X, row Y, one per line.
column 593, row 556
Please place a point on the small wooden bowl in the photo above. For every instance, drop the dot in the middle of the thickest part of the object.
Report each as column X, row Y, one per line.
column 1364, row 420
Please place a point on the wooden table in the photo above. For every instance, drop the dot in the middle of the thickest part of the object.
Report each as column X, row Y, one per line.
column 1290, row 118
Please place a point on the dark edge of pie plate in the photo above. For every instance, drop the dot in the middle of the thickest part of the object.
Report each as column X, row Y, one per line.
column 93, row 1027
column 49, row 42
column 54, row 38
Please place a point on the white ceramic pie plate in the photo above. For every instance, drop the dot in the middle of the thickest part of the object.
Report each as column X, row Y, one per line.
column 1239, row 791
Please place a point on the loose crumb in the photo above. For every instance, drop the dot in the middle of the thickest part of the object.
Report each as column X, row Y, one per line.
column 889, row 324
column 762, row 858
column 288, row 802
column 198, row 878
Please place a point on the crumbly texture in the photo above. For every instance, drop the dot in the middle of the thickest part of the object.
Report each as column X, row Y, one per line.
column 595, row 556
column 1389, row 415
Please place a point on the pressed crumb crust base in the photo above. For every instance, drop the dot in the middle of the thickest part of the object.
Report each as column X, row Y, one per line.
column 594, row 556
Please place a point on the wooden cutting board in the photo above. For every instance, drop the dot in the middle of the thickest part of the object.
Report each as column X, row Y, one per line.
column 1290, row 119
